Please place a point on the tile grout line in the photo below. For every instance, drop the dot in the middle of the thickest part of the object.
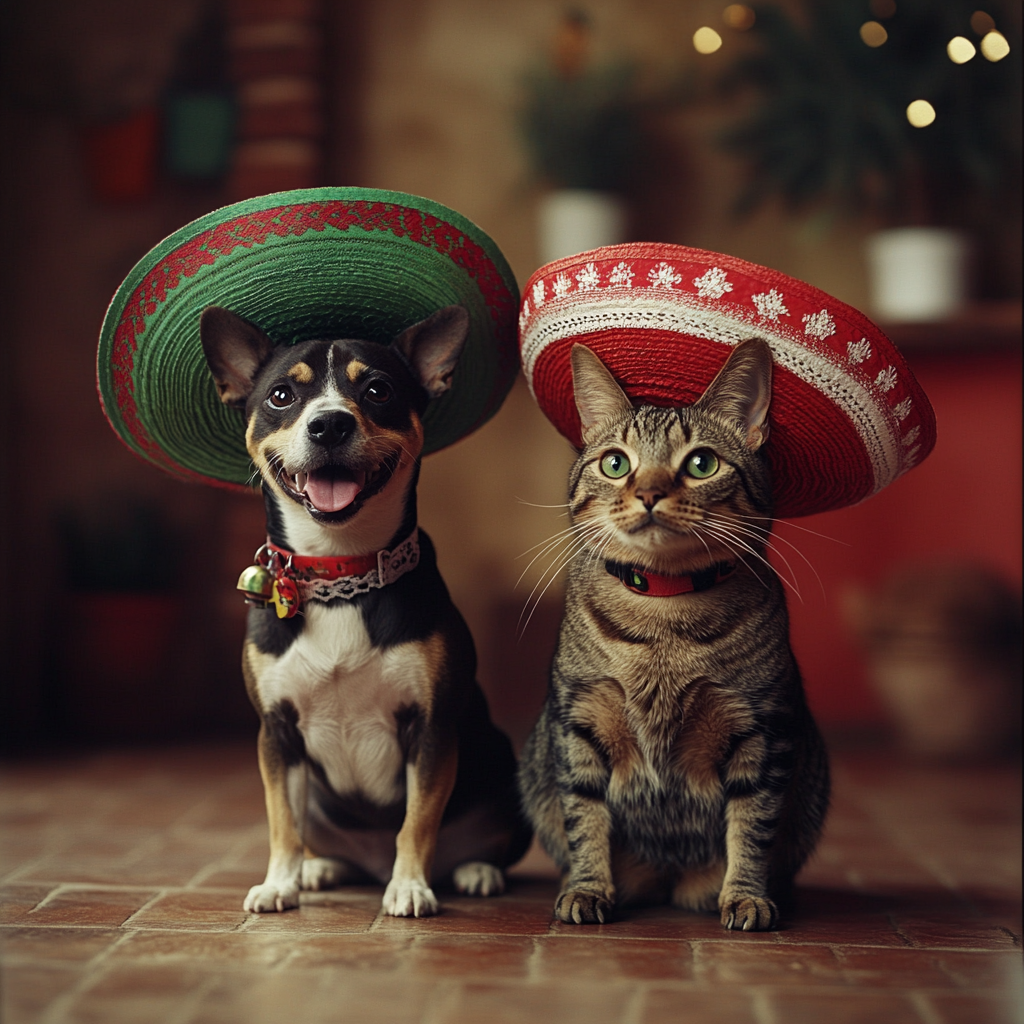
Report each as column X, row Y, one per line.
column 632, row 1013
column 93, row 972
column 923, row 1007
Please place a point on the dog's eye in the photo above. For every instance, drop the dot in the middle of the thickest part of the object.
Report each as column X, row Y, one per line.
column 379, row 392
column 281, row 397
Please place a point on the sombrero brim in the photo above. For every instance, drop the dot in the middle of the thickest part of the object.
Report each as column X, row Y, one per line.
column 847, row 416
column 312, row 263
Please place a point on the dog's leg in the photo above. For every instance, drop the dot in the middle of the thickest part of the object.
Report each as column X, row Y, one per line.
column 429, row 782
column 280, row 890
column 328, row 873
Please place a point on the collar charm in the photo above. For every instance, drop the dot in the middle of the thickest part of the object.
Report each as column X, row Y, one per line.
column 287, row 581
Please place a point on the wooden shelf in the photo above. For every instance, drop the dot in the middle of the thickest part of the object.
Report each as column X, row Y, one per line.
column 989, row 326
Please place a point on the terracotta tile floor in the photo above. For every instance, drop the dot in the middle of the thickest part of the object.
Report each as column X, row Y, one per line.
column 123, row 875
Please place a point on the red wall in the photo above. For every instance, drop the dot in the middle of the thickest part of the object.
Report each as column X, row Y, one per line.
column 963, row 502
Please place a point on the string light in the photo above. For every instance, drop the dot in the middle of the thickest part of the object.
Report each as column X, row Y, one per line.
column 739, row 16
column 873, row 33
column 994, row 46
column 706, row 40
column 960, row 50
column 920, row 113
column 982, row 23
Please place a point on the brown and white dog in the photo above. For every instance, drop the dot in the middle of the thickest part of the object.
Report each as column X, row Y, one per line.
column 378, row 756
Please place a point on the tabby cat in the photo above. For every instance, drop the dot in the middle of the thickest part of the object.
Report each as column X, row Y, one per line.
column 675, row 757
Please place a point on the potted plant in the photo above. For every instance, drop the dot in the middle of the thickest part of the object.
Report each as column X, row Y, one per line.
column 579, row 125
column 872, row 110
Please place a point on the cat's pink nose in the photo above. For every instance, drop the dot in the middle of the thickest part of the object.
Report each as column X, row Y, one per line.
column 650, row 498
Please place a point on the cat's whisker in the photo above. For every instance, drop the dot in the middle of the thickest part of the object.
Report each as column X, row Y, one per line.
column 770, row 540
column 560, row 533
column 522, row 626
column 545, row 546
column 725, row 542
column 718, row 531
column 533, row 504
column 803, row 529
column 574, row 543
column 756, row 534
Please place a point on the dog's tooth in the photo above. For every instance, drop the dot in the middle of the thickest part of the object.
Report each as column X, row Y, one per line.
column 300, row 481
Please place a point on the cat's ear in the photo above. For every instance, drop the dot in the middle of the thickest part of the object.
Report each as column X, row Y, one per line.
column 235, row 350
column 432, row 347
column 742, row 390
column 598, row 397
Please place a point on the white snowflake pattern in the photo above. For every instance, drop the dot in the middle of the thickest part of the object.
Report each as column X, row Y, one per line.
column 538, row 294
column 663, row 276
column 911, row 435
column 858, row 351
column 562, row 285
column 819, row 325
column 713, row 283
column 524, row 315
column 588, row 278
column 622, row 274
column 886, row 379
column 903, row 410
column 770, row 304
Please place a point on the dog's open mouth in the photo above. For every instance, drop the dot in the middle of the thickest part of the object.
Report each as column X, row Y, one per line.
column 334, row 492
column 330, row 488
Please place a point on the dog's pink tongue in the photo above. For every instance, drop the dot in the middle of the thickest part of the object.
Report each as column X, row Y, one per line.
column 329, row 493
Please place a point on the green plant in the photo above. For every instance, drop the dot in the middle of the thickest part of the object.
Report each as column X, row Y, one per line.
column 829, row 123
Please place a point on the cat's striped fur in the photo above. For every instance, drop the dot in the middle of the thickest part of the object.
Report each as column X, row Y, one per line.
column 675, row 757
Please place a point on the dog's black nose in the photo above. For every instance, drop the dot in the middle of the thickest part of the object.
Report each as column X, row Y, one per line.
column 330, row 428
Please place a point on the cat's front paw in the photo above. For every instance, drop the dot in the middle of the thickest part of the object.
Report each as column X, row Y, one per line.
column 584, row 906
column 270, row 897
column 409, row 897
column 750, row 914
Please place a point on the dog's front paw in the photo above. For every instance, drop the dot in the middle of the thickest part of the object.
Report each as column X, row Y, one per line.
column 477, row 878
column 409, row 897
column 324, row 873
column 749, row 914
column 584, row 906
column 268, row 897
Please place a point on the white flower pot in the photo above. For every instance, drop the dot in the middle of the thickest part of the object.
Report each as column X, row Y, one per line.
column 917, row 273
column 575, row 220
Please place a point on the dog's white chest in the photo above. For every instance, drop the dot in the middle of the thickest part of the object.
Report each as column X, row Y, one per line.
column 346, row 693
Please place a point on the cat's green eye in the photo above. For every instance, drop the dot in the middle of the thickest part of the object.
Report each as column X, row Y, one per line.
column 701, row 464
column 615, row 465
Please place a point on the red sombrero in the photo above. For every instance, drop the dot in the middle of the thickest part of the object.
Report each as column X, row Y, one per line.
column 847, row 415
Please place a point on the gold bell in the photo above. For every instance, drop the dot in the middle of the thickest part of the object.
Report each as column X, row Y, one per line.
column 256, row 583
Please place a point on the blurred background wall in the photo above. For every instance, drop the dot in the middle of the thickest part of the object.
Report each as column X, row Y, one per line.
column 120, row 618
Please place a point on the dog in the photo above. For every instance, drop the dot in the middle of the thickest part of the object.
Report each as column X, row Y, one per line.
column 378, row 756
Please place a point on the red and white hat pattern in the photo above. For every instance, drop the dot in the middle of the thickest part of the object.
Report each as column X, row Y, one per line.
column 847, row 415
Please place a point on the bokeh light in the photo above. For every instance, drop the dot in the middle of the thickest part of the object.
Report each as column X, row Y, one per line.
column 960, row 49
column 706, row 40
column 883, row 8
column 994, row 46
column 873, row 33
column 982, row 23
column 920, row 113
column 739, row 16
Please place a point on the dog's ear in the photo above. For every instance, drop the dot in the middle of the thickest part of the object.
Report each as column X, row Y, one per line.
column 433, row 346
column 235, row 350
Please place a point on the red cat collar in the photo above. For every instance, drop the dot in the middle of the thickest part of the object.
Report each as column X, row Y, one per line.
column 287, row 581
column 660, row 584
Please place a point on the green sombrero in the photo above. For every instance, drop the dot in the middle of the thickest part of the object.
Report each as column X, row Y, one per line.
column 312, row 263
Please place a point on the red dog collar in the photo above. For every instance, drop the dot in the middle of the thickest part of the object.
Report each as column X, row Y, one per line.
column 287, row 581
column 658, row 584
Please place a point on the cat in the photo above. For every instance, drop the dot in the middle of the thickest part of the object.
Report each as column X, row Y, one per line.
column 675, row 758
